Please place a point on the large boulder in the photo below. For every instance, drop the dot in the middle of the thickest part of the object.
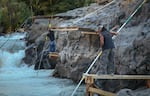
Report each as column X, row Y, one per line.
column 131, row 53
column 129, row 92
column 78, row 50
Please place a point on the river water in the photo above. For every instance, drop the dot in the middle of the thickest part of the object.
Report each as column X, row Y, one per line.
column 16, row 79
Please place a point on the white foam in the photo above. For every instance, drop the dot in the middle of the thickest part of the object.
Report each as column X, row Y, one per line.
column 17, row 79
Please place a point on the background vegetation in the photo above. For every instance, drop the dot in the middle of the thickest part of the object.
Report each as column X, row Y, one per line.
column 14, row 12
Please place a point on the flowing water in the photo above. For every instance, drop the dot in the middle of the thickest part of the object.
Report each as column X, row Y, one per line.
column 16, row 79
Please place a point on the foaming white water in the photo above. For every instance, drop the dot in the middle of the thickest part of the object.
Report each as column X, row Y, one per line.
column 12, row 42
column 12, row 51
column 11, row 60
column 17, row 79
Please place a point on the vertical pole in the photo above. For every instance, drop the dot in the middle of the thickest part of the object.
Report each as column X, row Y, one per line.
column 89, row 83
column 148, row 83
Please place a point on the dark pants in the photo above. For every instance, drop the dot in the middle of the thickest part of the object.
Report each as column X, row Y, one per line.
column 106, row 67
column 107, row 61
column 52, row 46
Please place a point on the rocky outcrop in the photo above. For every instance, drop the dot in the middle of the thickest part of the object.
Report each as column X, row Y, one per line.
column 130, row 54
column 77, row 50
column 135, row 57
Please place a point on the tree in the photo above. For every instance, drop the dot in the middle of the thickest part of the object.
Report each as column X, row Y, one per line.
column 13, row 14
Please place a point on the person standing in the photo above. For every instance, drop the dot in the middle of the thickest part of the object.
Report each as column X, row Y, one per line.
column 106, row 64
column 51, row 36
column 107, row 46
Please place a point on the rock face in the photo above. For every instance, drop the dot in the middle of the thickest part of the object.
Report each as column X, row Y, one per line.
column 77, row 50
column 139, row 92
column 130, row 54
column 37, row 50
column 135, row 56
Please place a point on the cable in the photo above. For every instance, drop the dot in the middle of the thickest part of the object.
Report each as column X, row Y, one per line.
column 42, row 57
column 4, row 42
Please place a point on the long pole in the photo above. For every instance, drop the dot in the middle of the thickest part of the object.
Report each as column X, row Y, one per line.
column 86, row 73
column 130, row 17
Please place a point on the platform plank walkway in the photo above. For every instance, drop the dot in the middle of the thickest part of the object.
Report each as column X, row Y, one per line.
column 141, row 77
column 53, row 54
column 87, row 31
column 90, row 88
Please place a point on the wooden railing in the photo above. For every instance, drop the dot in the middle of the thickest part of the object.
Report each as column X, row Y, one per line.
column 89, row 80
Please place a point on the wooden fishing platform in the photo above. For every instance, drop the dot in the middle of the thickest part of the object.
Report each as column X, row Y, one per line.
column 64, row 28
column 70, row 29
column 53, row 54
column 89, row 80
column 90, row 33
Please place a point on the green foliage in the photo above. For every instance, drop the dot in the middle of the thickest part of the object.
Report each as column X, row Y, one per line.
column 13, row 14
column 45, row 7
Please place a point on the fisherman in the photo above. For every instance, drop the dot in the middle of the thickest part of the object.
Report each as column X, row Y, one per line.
column 51, row 36
column 106, row 65
column 107, row 46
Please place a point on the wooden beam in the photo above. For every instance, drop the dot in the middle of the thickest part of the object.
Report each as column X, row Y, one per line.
column 140, row 77
column 101, row 92
column 53, row 54
column 84, row 30
column 90, row 33
column 64, row 28
column 148, row 83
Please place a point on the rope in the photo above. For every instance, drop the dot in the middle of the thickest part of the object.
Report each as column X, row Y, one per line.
column 41, row 59
column 42, row 56
column 4, row 43
column 101, row 51
column 95, row 12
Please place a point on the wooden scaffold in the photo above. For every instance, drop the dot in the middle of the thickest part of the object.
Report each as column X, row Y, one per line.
column 91, row 89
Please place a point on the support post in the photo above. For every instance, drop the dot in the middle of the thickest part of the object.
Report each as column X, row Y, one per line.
column 148, row 83
column 89, row 83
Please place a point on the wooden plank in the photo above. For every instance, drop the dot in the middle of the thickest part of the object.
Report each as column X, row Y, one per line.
column 53, row 54
column 85, row 30
column 90, row 33
column 148, row 83
column 140, row 77
column 89, row 80
column 64, row 28
column 101, row 92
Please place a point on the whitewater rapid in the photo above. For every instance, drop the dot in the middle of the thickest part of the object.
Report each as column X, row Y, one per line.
column 17, row 79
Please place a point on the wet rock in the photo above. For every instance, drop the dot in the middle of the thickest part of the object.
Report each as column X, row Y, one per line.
column 125, row 92
column 129, row 92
